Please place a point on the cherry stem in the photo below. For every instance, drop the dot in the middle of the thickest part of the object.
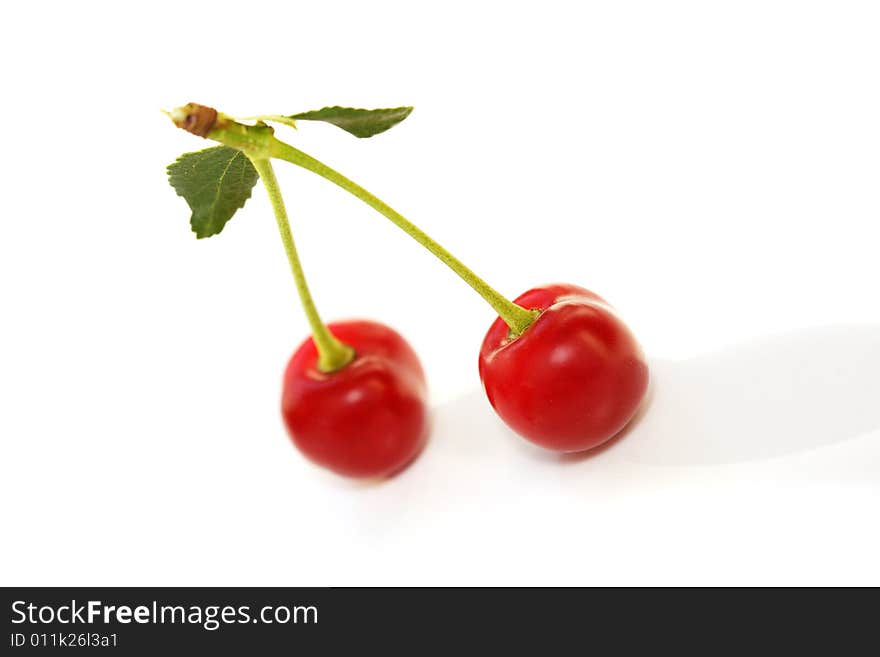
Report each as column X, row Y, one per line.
column 332, row 354
column 517, row 318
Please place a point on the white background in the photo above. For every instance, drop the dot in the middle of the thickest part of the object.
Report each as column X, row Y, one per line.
column 711, row 168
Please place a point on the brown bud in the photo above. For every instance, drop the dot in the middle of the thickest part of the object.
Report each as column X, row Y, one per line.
column 195, row 118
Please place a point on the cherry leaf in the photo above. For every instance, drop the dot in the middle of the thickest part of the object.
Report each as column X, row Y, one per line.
column 359, row 122
column 215, row 183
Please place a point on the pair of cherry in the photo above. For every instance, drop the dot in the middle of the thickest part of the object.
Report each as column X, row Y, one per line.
column 558, row 364
column 568, row 382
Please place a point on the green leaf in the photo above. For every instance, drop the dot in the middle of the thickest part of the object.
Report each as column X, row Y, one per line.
column 359, row 122
column 215, row 183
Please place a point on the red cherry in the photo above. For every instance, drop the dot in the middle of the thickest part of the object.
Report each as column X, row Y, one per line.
column 368, row 419
column 572, row 379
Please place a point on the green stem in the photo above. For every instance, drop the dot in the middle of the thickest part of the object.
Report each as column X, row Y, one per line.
column 332, row 354
column 516, row 317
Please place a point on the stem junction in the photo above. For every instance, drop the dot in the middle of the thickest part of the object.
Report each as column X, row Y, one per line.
column 259, row 143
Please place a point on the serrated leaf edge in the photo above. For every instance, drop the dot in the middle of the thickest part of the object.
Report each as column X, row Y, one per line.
column 408, row 108
column 219, row 181
column 217, row 196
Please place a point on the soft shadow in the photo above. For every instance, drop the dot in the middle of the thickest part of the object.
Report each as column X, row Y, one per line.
column 761, row 399
column 752, row 401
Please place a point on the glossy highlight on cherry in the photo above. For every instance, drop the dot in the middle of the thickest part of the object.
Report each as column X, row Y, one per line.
column 368, row 419
column 558, row 365
column 573, row 379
